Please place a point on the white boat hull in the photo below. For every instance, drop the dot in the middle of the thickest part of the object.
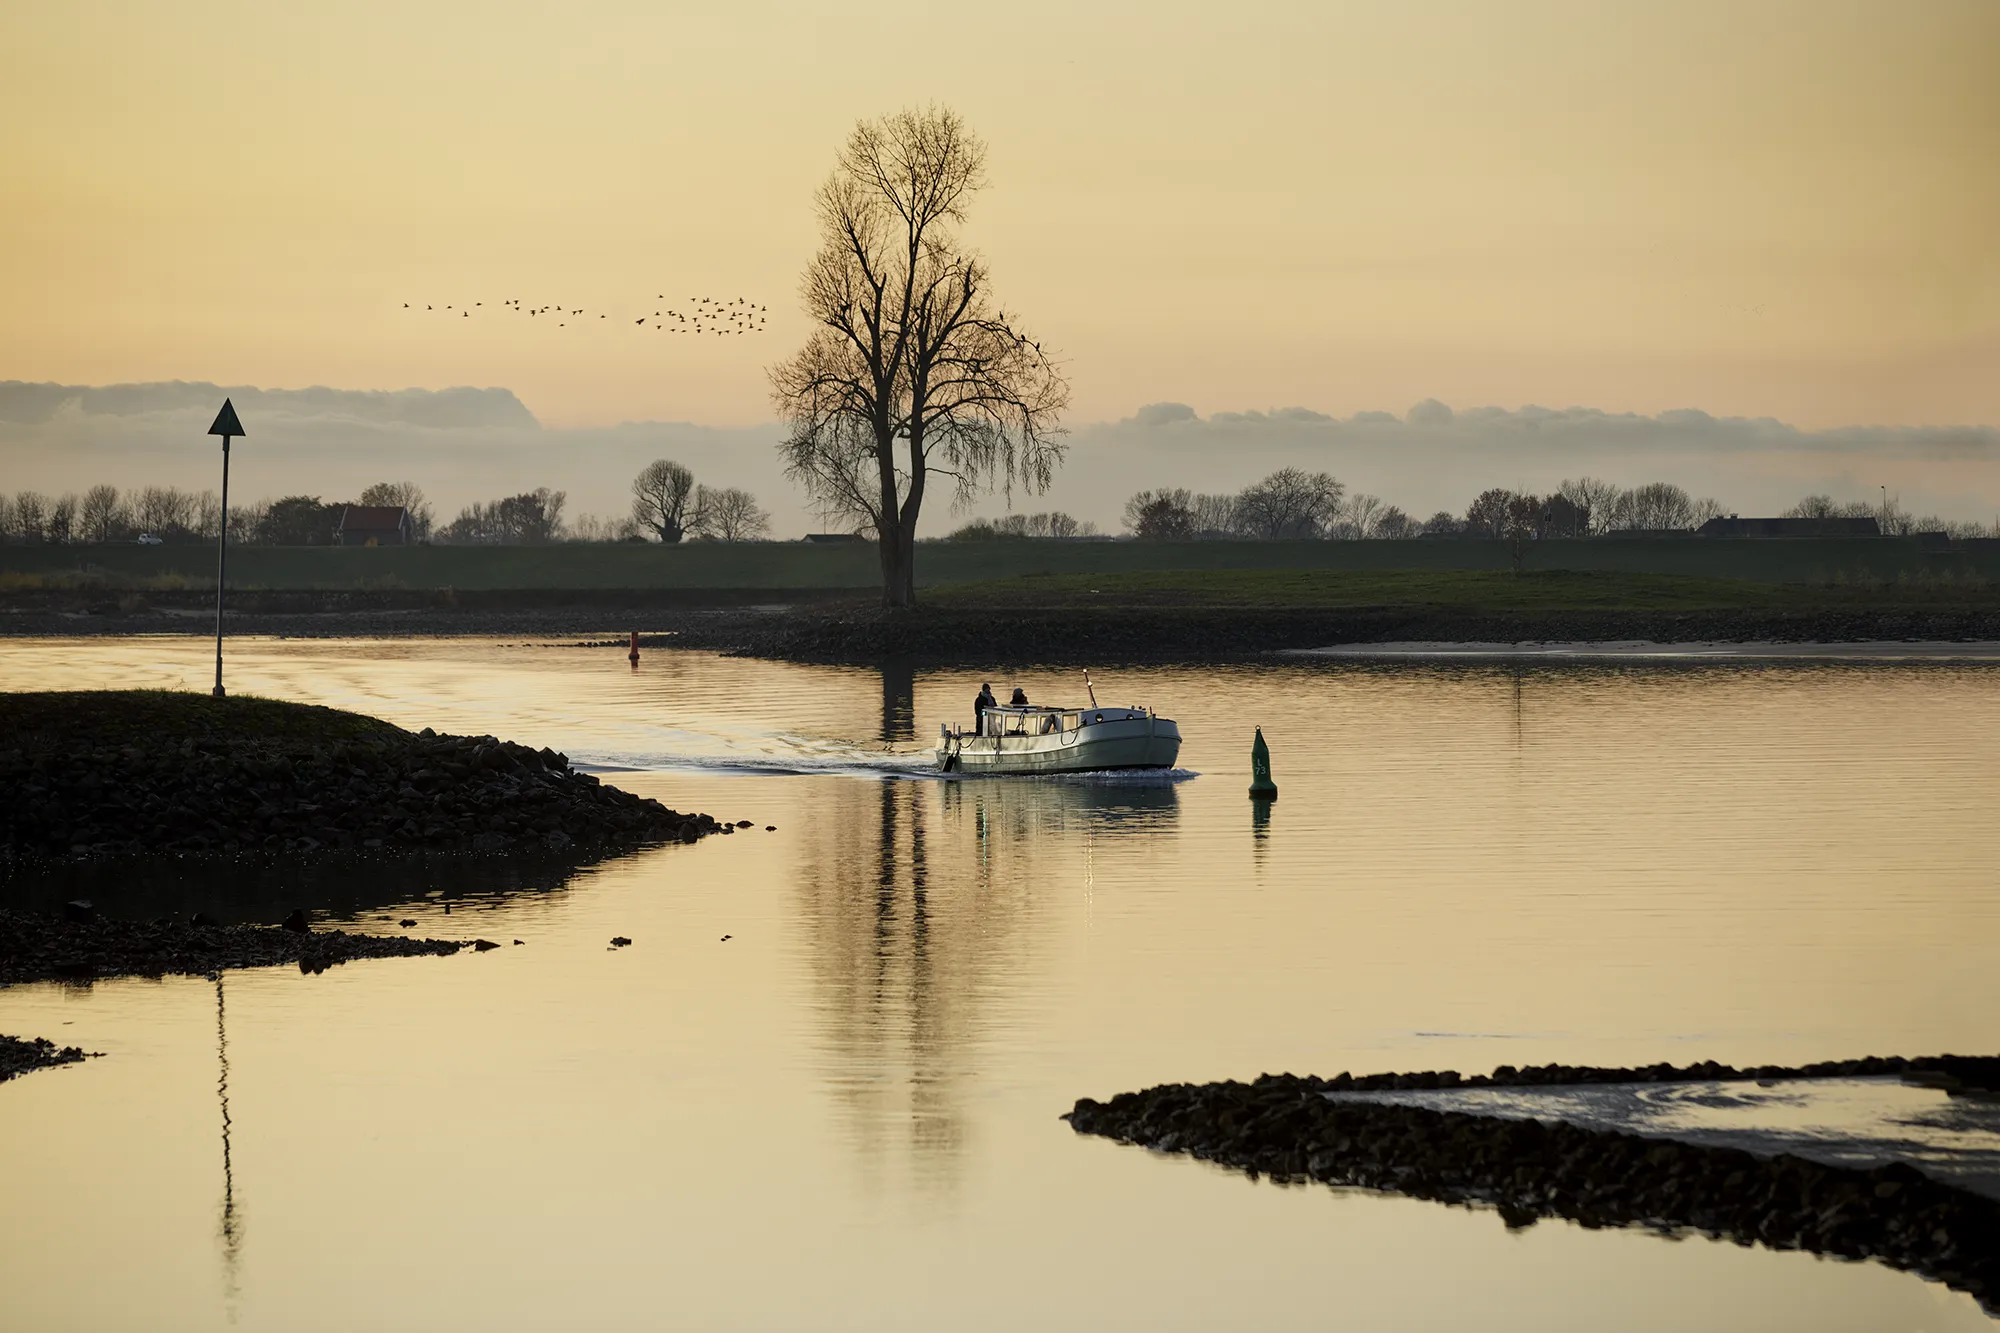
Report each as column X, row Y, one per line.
column 1132, row 742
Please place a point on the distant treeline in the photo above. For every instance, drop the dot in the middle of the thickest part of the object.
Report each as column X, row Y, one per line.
column 667, row 505
column 1292, row 504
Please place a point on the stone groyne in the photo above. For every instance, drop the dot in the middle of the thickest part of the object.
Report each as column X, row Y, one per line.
column 1290, row 1129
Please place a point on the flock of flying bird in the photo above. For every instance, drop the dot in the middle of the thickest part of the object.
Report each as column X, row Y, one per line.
column 704, row 315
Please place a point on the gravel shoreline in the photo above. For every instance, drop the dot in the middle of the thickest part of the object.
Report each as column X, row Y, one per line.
column 1290, row 1129
column 132, row 774
column 24, row 1055
column 34, row 947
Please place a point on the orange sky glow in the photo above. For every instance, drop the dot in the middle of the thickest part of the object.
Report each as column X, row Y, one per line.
column 1784, row 209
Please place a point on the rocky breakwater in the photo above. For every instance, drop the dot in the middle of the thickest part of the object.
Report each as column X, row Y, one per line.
column 131, row 773
column 24, row 1055
column 82, row 946
column 1291, row 1129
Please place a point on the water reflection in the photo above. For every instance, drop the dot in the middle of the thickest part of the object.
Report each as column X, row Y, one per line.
column 899, row 702
column 232, row 1228
column 921, row 904
column 254, row 889
column 1032, row 811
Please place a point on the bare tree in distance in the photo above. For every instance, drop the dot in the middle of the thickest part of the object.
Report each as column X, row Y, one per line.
column 1704, row 509
column 1289, row 505
column 662, row 496
column 31, row 515
column 1358, row 516
column 1658, row 506
column 97, row 519
column 1595, row 498
column 910, row 349
column 1165, row 515
column 728, row 515
column 1213, row 515
column 1392, row 524
column 1813, row 506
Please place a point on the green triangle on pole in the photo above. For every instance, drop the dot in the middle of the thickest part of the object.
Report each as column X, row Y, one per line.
column 226, row 423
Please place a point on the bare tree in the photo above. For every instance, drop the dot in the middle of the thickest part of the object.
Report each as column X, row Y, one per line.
column 1704, row 509
column 62, row 518
column 1813, row 506
column 910, row 348
column 1358, row 515
column 728, row 515
column 1163, row 515
column 661, row 496
column 407, row 496
column 1658, row 506
column 31, row 515
column 1392, row 524
column 1594, row 499
column 1290, row 504
column 97, row 517
column 1214, row 515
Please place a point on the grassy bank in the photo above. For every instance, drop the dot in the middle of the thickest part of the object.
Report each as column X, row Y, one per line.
column 752, row 566
column 1187, row 616
column 1465, row 590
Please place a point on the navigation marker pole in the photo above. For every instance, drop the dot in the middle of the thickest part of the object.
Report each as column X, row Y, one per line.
column 226, row 425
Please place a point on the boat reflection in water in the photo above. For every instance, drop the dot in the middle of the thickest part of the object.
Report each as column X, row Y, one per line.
column 930, row 913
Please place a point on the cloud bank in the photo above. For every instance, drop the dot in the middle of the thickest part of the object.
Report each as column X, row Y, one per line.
column 466, row 444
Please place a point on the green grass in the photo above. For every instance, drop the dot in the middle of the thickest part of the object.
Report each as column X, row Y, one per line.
column 1476, row 590
column 804, row 566
column 61, row 721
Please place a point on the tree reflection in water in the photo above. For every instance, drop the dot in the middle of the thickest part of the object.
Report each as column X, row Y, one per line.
column 927, row 908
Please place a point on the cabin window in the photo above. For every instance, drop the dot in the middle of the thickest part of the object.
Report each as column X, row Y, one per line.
column 1071, row 721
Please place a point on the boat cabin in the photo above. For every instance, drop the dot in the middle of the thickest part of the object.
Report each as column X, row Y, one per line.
column 1033, row 720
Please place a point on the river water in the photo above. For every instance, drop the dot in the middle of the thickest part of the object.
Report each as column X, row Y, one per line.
column 844, row 1115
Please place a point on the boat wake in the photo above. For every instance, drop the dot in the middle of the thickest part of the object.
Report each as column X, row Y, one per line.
column 836, row 761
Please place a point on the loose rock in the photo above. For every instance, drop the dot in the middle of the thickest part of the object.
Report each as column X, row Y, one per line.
column 1290, row 1129
column 22, row 1055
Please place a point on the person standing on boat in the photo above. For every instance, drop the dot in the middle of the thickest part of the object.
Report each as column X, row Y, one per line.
column 979, row 707
column 1020, row 699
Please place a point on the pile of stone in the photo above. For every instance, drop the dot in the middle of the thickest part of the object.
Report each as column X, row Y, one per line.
column 390, row 790
column 1289, row 1129
column 22, row 1055
column 82, row 946
column 1706, row 1071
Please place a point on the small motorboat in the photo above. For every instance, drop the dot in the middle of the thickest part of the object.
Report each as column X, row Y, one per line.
column 1028, row 739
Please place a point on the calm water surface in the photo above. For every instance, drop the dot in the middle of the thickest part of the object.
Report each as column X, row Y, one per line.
column 844, row 1116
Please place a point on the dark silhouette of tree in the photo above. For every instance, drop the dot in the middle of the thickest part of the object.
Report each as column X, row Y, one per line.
column 1165, row 515
column 1289, row 505
column 912, row 369
column 1487, row 515
column 295, row 520
column 662, row 495
column 99, row 518
column 1444, row 524
column 1594, row 498
column 728, row 515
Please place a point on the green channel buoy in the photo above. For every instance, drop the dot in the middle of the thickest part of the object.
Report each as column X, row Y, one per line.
column 1261, row 786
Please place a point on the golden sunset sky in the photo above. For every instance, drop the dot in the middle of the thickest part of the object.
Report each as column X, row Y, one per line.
column 1755, row 208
